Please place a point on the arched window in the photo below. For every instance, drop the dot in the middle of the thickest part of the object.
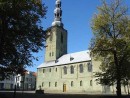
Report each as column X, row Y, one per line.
column 49, row 84
column 43, row 70
column 42, row 84
column 65, row 70
column 58, row 14
column 81, row 68
column 89, row 67
column 55, row 84
column 81, row 83
column 91, row 83
column 58, row 5
column 50, row 70
column 72, row 69
column 52, row 53
column 72, row 83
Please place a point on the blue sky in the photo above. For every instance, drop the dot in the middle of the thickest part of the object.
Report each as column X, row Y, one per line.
column 77, row 16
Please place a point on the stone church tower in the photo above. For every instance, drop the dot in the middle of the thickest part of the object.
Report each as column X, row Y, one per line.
column 56, row 36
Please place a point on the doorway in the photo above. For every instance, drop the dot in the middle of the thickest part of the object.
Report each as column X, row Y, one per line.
column 64, row 87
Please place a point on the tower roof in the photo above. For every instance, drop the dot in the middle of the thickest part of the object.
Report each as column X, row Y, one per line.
column 57, row 14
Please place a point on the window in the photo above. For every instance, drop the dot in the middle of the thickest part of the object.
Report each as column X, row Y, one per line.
column 81, row 83
column 81, row 68
column 58, row 14
column 43, row 70
column 26, row 79
column 72, row 69
column 55, row 84
column 58, row 5
column 89, row 67
column 49, row 84
column 56, row 61
column 56, row 69
column 71, row 58
column 65, row 70
column 50, row 70
column 72, row 84
column 42, row 84
column 51, row 37
column 50, row 54
column 91, row 83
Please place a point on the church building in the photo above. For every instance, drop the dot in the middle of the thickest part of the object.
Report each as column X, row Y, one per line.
column 66, row 73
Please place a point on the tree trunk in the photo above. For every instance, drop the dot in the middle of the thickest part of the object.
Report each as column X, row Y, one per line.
column 118, row 75
column 128, row 89
column 118, row 88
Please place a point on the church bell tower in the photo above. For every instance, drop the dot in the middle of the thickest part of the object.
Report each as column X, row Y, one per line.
column 56, row 36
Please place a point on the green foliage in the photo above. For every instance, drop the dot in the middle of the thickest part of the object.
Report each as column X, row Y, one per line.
column 111, row 42
column 20, row 33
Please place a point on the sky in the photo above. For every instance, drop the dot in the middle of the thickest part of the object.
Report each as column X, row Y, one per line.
column 77, row 19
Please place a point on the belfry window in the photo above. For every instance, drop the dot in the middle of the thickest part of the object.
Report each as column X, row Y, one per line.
column 65, row 70
column 58, row 5
column 72, row 69
column 55, row 14
column 58, row 14
column 81, row 68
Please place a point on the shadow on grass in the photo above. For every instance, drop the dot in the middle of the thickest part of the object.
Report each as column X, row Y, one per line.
column 33, row 95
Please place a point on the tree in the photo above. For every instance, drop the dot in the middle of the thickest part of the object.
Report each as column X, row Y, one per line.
column 111, row 42
column 20, row 33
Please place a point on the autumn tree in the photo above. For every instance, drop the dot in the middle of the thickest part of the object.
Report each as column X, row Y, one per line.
column 20, row 33
column 111, row 42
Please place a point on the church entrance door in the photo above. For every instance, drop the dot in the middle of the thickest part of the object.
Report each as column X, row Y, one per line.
column 64, row 87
